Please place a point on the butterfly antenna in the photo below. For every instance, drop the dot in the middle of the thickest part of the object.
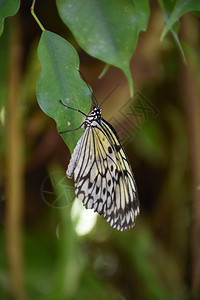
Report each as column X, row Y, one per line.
column 93, row 96
column 111, row 92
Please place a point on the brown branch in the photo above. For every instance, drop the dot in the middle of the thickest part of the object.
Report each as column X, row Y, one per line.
column 191, row 96
column 14, row 165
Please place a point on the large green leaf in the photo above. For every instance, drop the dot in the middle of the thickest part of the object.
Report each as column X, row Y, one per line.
column 107, row 30
column 7, row 8
column 60, row 79
column 142, row 10
column 180, row 7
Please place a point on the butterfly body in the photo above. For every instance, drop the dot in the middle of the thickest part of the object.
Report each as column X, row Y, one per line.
column 103, row 176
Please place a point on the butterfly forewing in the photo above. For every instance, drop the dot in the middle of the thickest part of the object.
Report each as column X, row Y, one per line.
column 102, row 173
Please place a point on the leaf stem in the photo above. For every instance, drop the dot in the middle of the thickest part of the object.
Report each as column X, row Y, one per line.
column 105, row 69
column 35, row 17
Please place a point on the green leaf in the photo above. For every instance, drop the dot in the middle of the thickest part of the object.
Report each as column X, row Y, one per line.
column 167, row 8
column 197, row 13
column 7, row 8
column 60, row 79
column 107, row 30
column 180, row 7
column 4, row 45
column 143, row 11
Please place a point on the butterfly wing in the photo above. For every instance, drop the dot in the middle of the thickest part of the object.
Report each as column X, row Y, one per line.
column 103, row 177
column 125, row 195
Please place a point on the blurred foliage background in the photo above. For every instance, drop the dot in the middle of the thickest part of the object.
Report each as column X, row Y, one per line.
column 50, row 247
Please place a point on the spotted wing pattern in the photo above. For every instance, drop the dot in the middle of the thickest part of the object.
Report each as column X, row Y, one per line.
column 103, row 177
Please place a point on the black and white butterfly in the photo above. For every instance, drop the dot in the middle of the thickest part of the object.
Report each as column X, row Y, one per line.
column 102, row 173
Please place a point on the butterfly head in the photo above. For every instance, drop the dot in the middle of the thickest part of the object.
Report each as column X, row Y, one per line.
column 95, row 115
column 96, row 112
column 97, row 109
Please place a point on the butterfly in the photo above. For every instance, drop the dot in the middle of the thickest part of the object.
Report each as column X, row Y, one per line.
column 103, row 177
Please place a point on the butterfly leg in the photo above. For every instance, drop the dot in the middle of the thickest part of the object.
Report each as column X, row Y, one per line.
column 73, row 108
column 61, row 132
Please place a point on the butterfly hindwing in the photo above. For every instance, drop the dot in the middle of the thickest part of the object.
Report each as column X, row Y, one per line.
column 125, row 195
